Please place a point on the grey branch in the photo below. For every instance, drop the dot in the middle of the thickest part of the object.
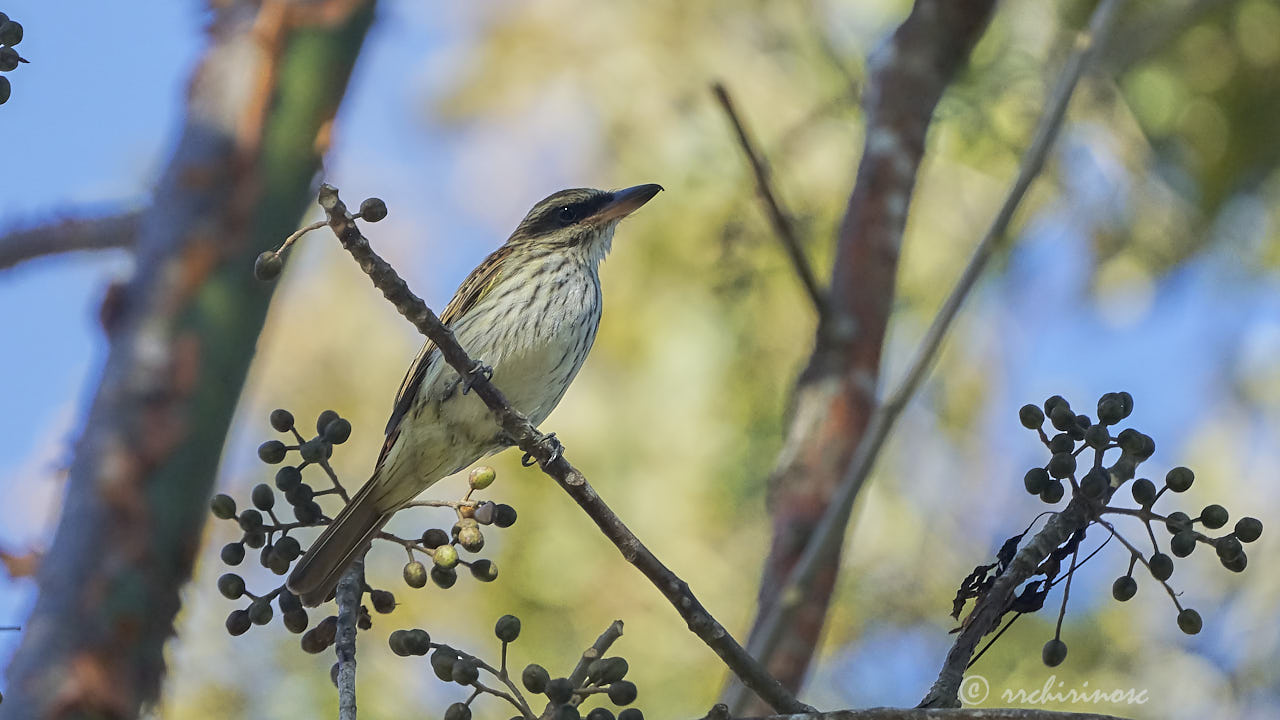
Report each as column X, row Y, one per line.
column 548, row 452
column 350, row 591
column 778, row 216
column 69, row 235
column 887, row 413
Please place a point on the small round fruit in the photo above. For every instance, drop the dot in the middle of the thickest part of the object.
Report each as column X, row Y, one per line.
column 238, row 622
column 507, row 629
column 1061, row 465
column 338, row 431
column 1179, row 479
column 456, row 711
column 281, row 420
column 415, row 574
column 231, row 586
column 1053, row 492
column 1054, row 652
column 465, row 672
column 1161, row 566
column 445, row 556
column 1031, row 417
column 223, row 506
column 372, row 210
column 481, row 477
column 444, row 578
column 442, row 661
column 260, row 612
column 1036, row 480
column 417, row 641
column 1214, row 516
column 233, row 553
column 1124, row 588
column 263, row 498
column 268, row 266
column 384, row 601
column 1189, row 621
column 504, row 516
column 1144, row 492
column 622, row 692
column 1248, row 529
column 1183, row 543
column 535, row 678
column 560, row 690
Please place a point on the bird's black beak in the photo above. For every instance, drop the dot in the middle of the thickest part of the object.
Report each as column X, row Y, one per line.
column 625, row 202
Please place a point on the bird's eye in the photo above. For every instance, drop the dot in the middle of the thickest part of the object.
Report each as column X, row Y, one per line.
column 566, row 215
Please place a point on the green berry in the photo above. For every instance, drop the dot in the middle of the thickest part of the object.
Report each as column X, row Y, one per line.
column 1054, row 652
column 465, row 672
column 1214, row 516
column 263, row 498
column 507, row 628
column 1062, row 418
column 1183, row 543
column 535, row 678
column 1228, row 547
column 255, row 538
column 232, row 553
column 10, row 33
column 1161, row 566
column 1095, row 483
column 271, row 452
column 268, row 266
column 1053, row 492
column 1111, row 409
column 417, row 642
column 299, row 494
column 1053, row 402
column 1061, row 465
column 373, row 210
column 281, row 420
column 481, row 477
column 1179, row 479
column 622, row 692
column 1144, row 492
column 338, row 431
column 223, row 506
column 323, row 420
column 288, row 548
column 434, row 538
column 1031, row 417
column 445, row 556
column 559, row 691
column 250, row 520
column 1097, row 436
column 442, row 661
column 231, row 586
column 1248, row 529
column 1036, row 480
column 287, row 478
column 1124, row 588
column 307, row 513
column 471, row 539
column 607, row 670
column 9, row 59
column 238, row 622
column 415, row 574
column 1189, row 621
column 457, row 711
column 1236, row 563
column 1061, row 443
column 295, row 621
column 1177, row 521
column 444, row 578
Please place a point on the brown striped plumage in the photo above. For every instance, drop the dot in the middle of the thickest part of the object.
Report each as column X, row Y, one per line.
column 530, row 312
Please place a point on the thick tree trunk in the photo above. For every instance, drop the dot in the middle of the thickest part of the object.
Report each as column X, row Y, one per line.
column 183, row 331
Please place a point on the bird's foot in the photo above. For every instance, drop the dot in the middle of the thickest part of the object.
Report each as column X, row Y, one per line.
column 556, row 449
column 475, row 372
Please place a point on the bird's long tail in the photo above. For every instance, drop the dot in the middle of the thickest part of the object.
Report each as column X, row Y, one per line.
column 316, row 575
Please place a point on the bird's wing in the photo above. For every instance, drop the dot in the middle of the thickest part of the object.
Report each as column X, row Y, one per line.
column 472, row 291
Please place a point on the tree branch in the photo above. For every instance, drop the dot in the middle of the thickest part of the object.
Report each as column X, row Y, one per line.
column 69, row 235
column 835, row 395
column 828, row 533
column 348, row 594
column 548, row 452
column 778, row 216
column 595, row 652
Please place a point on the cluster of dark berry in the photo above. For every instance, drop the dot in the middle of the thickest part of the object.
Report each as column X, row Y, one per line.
column 10, row 35
column 269, row 264
column 264, row 530
column 1092, row 493
column 603, row 676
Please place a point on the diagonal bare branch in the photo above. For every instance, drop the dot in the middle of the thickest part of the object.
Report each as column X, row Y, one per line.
column 550, row 457
column 778, row 216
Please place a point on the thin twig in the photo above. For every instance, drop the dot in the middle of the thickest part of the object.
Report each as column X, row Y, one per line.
column 550, row 457
column 882, row 421
column 68, row 235
column 595, row 652
column 778, row 216
column 348, row 594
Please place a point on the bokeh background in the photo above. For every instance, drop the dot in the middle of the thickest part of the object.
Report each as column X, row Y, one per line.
column 1146, row 259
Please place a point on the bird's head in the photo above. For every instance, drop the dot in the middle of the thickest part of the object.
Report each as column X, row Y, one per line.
column 580, row 218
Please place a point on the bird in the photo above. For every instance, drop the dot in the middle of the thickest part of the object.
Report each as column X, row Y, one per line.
column 529, row 314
